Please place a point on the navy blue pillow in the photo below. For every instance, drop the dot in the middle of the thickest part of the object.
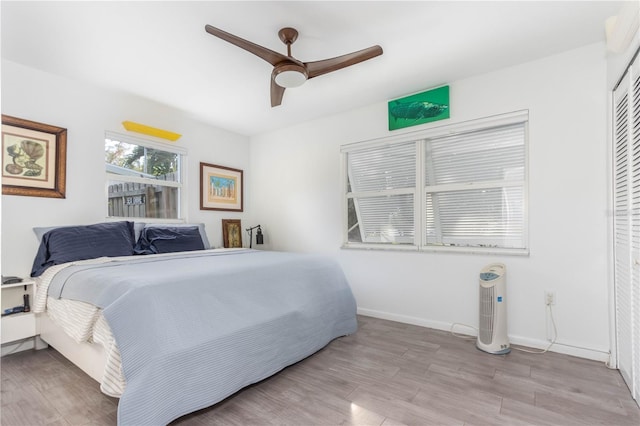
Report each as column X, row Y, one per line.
column 155, row 240
column 67, row 244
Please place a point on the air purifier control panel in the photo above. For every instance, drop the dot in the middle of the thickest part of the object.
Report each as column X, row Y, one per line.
column 492, row 272
column 488, row 276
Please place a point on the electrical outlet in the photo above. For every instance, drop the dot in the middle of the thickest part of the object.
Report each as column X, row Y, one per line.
column 549, row 297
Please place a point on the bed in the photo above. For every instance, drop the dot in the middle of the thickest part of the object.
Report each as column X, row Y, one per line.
column 169, row 325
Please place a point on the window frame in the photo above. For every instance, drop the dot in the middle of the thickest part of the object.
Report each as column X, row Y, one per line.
column 420, row 219
column 181, row 184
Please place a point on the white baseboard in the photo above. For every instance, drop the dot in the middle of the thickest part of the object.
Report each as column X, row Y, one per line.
column 587, row 353
column 438, row 325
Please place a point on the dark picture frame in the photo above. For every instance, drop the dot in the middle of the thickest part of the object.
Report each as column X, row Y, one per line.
column 231, row 233
column 221, row 188
column 34, row 158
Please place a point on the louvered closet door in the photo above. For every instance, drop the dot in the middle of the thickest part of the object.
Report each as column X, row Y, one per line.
column 634, row 291
column 627, row 227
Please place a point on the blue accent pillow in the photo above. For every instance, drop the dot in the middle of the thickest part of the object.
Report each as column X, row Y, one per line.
column 41, row 230
column 70, row 243
column 203, row 233
column 154, row 240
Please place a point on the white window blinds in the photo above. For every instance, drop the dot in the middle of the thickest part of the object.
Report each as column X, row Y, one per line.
column 382, row 184
column 457, row 186
column 475, row 188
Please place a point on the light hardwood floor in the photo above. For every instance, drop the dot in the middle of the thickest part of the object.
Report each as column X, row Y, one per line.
column 387, row 373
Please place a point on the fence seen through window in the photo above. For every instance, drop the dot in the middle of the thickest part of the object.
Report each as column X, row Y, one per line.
column 143, row 181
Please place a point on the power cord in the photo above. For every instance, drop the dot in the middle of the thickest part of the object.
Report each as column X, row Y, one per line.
column 608, row 363
column 461, row 336
column 553, row 341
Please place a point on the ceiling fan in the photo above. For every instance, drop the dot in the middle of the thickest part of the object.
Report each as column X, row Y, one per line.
column 288, row 71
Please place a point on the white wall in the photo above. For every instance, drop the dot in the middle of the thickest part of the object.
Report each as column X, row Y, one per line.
column 295, row 177
column 86, row 112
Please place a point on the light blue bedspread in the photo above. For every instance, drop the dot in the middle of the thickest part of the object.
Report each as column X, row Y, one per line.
column 194, row 328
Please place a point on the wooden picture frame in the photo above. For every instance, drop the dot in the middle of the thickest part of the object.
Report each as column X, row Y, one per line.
column 221, row 188
column 231, row 233
column 34, row 158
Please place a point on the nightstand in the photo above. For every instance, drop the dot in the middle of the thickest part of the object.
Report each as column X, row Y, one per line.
column 21, row 325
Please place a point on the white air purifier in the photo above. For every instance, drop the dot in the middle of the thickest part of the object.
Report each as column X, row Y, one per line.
column 492, row 333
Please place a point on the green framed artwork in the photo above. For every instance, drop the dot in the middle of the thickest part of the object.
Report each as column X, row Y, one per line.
column 420, row 108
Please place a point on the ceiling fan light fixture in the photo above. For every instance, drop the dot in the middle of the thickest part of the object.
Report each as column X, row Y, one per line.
column 290, row 75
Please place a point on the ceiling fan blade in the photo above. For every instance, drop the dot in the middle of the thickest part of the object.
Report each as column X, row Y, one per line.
column 267, row 54
column 277, row 92
column 325, row 66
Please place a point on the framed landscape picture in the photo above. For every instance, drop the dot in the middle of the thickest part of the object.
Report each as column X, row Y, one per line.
column 34, row 158
column 220, row 188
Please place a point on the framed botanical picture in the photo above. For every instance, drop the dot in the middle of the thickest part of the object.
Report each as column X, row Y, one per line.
column 220, row 188
column 34, row 158
column 231, row 233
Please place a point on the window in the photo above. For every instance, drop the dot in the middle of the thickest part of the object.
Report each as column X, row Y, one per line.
column 452, row 187
column 382, row 184
column 144, row 178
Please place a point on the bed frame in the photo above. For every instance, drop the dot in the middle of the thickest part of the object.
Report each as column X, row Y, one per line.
column 89, row 357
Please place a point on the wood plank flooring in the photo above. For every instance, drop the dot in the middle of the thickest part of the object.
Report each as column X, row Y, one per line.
column 387, row 374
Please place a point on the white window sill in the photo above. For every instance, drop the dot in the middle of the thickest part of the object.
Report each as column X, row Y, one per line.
column 434, row 249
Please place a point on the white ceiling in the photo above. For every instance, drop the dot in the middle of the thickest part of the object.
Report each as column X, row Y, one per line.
column 160, row 50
